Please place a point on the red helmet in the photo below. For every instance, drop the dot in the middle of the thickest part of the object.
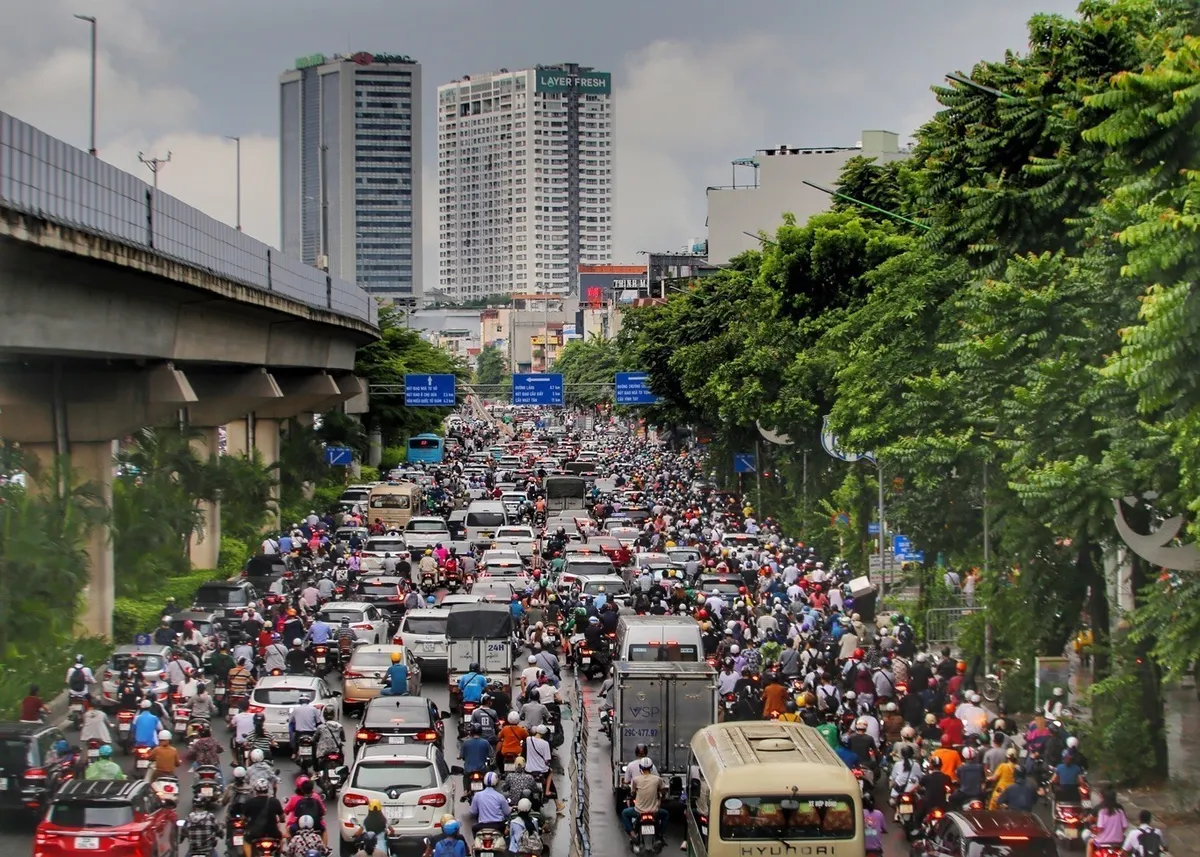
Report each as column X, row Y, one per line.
column 701, row 613
column 961, row 666
column 948, row 708
column 859, row 654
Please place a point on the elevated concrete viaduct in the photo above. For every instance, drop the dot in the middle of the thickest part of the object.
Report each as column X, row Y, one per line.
column 121, row 307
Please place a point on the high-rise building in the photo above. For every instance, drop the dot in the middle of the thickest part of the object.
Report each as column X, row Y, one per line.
column 350, row 169
column 525, row 179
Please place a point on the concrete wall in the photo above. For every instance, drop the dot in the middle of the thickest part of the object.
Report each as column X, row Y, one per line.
column 733, row 212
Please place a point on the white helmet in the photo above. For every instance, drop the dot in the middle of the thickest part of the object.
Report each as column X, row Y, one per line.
column 239, row 772
column 891, row 706
column 908, row 733
column 532, row 659
column 524, row 805
column 514, row 718
column 1058, row 691
column 861, row 725
column 1072, row 742
column 305, row 822
column 164, row 735
column 851, row 695
column 975, row 698
column 256, row 756
column 734, row 650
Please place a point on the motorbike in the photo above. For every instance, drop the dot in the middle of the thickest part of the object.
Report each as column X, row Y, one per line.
column 93, row 749
column 321, row 660
column 489, row 841
column 235, row 829
column 606, row 721
column 646, row 835
column 125, row 729
column 466, row 709
column 205, row 788
column 305, row 752
column 181, row 713
column 507, row 762
column 142, row 758
column 166, row 789
column 76, row 709
column 729, row 707
column 264, row 847
column 924, row 831
column 905, row 813
column 333, row 773
column 428, row 582
column 475, row 782
column 219, row 690
column 1070, row 819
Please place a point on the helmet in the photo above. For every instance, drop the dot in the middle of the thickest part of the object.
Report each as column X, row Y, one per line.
column 450, row 828
column 490, row 779
column 329, row 713
column 297, row 642
column 908, row 733
column 262, row 786
column 930, row 719
column 256, row 756
column 890, row 707
column 345, row 623
column 524, row 805
column 144, row 704
column 734, row 650
column 646, row 764
column 187, row 626
column 1011, row 753
column 164, row 735
column 239, row 773
column 395, row 657
column 304, row 822
column 431, row 600
column 514, row 718
column 999, row 725
column 968, row 753
column 1072, row 742
column 960, row 667
column 859, row 654
column 945, row 740
column 305, row 699
column 860, row 725
column 935, row 763
column 851, row 696
column 532, row 659
column 948, row 708
column 474, row 667
column 105, row 751
column 1058, row 691
column 291, row 612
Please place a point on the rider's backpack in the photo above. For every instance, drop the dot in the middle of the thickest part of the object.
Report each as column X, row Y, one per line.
column 77, row 681
column 1150, row 843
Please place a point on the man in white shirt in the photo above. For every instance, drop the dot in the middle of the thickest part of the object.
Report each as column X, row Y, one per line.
column 269, row 546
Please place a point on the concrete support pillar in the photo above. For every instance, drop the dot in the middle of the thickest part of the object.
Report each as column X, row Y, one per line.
column 266, row 441
column 205, row 547
column 239, row 436
column 93, row 463
column 375, row 447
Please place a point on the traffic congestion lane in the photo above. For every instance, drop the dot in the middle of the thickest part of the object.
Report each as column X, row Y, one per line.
column 16, row 834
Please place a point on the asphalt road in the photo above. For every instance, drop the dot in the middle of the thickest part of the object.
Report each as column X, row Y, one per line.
column 16, row 836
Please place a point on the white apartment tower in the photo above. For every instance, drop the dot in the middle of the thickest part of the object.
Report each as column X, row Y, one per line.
column 525, row 180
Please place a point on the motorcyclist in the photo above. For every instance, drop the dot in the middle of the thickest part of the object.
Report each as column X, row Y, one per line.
column 260, row 770
column 104, row 768
column 647, row 790
column 319, row 631
column 972, row 778
column 330, row 735
column 164, row 634
column 304, row 720
column 146, row 726
column 297, row 658
column 395, row 680
column 96, row 727
column 275, row 655
column 79, row 682
column 489, row 807
column 471, row 685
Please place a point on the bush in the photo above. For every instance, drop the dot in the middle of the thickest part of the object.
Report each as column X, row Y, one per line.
column 367, row 473
column 391, row 458
column 135, row 615
column 47, row 669
column 1118, row 734
column 234, row 553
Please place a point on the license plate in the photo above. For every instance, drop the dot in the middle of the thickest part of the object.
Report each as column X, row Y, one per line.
column 77, row 706
column 476, row 786
column 219, row 692
column 509, row 767
column 585, row 661
column 647, row 830
column 93, row 753
column 320, row 659
column 429, row 647
column 124, row 727
column 3, row 784
column 1070, row 833
column 395, row 739
column 142, row 764
column 906, row 809
column 238, row 840
column 306, row 751
column 87, row 843
column 485, row 853
column 206, row 791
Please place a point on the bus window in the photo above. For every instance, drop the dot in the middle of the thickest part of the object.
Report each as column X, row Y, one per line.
column 784, row 817
column 391, row 501
column 657, row 652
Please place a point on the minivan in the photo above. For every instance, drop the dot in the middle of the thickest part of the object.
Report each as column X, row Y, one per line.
column 484, row 517
column 659, row 638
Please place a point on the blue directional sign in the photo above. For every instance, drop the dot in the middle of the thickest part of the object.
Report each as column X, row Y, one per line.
column 743, row 462
column 537, row 388
column 142, row 639
column 632, row 389
column 429, row 391
column 339, row 456
column 873, row 529
column 913, row 556
column 901, row 545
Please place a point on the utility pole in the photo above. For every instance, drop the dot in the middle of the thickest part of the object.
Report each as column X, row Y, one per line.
column 91, row 20
column 154, row 165
column 758, row 481
column 987, row 564
column 238, row 141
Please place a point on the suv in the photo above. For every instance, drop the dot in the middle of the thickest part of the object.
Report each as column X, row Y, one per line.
column 228, row 600
column 30, row 770
column 110, row 817
column 988, row 834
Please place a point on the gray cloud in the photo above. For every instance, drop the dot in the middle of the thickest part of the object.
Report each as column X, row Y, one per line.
column 698, row 82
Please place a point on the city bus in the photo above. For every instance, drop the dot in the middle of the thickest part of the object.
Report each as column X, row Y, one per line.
column 426, row 448
column 770, row 789
column 393, row 503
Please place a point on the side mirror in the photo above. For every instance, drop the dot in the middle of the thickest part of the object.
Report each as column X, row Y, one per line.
column 335, row 693
column 443, row 714
column 456, row 769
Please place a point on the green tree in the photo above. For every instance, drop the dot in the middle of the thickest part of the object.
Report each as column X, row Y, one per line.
column 491, row 368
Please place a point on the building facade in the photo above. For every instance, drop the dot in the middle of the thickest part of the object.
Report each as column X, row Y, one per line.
column 778, row 188
column 350, row 169
column 525, row 180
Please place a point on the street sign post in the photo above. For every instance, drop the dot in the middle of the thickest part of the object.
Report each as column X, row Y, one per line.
column 902, row 545
column 632, row 388
column 535, row 388
column 873, row 529
column 339, row 456
column 429, row 391
column 743, row 462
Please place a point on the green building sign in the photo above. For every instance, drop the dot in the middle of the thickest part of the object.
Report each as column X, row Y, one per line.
column 588, row 83
column 310, row 60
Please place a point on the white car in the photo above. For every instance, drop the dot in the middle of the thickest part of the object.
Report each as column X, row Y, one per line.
column 377, row 546
column 412, row 782
column 424, row 634
column 423, row 533
column 366, row 621
column 276, row 695
column 453, row 598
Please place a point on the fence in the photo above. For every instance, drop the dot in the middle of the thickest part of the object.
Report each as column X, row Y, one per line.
column 942, row 624
column 42, row 176
column 581, row 843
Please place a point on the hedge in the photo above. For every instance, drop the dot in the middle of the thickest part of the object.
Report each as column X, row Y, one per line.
column 234, row 553
column 48, row 670
column 135, row 615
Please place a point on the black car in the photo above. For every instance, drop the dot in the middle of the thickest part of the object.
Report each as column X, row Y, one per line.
column 264, row 569
column 401, row 720
column 227, row 600
column 30, row 769
column 385, row 593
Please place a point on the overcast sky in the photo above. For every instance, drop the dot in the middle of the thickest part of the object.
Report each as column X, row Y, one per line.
column 697, row 82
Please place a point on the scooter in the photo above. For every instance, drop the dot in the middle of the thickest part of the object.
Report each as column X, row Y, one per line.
column 76, row 709
column 489, row 842
column 606, row 721
column 321, row 660
column 204, row 787
column 646, row 835
column 333, row 773
column 305, row 752
column 181, row 713
column 264, row 847
column 142, row 758
column 1070, row 819
column 125, row 730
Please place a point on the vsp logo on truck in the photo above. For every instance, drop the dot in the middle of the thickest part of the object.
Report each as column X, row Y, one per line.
column 645, row 712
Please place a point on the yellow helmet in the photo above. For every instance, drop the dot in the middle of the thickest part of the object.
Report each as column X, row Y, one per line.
column 395, row 657
column 374, row 804
column 428, row 552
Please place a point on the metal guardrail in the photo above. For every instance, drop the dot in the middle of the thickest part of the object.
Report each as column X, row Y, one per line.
column 581, row 841
column 42, row 176
column 942, row 624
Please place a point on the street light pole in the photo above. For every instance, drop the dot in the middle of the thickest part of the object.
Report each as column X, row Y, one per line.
column 91, row 20
column 238, row 141
column 154, row 165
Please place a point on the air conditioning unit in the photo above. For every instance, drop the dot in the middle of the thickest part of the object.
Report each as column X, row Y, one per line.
column 323, row 262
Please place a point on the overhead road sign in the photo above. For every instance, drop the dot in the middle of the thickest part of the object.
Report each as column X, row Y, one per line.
column 537, row 388
column 633, row 388
column 429, row 391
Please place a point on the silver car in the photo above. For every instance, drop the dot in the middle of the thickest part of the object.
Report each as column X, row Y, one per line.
column 424, row 633
column 413, row 784
column 368, row 623
column 276, row 695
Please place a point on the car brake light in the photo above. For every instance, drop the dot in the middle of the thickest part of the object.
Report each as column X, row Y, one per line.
column 35, row 774
column 1014, row 838
column 351, row 674
column 362, row 626
column 366, row 735
column 351, row 799
column 432, row 800
column 256, row 709
column 427, row 735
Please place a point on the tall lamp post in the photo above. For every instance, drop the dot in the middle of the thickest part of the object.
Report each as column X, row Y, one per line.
column 238, row 141
column 91, row 20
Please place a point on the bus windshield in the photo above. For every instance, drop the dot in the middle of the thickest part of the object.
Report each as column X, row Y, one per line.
column 788, row 818
column 391, row 501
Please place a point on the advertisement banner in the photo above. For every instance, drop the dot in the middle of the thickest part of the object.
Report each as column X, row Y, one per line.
column 600, row 283
column 589, row 82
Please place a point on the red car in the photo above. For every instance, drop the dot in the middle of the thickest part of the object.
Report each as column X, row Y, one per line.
column 115, row 818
